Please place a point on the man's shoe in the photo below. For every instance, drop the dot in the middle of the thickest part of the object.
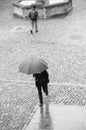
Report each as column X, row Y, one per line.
column 46, row 93
column 36, row 31
column 31, row 31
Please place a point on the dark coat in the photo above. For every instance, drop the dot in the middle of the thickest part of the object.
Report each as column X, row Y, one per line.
column 33, row 14
column 42, row 78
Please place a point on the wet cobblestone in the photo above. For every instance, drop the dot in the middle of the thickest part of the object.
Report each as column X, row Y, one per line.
column 17, row 101
column 61, row 42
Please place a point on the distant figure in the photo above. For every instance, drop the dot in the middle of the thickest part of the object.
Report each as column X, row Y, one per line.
column 41, row 81
column 33, row 15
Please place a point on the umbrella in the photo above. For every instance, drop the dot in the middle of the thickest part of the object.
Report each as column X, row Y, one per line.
column 32, row 66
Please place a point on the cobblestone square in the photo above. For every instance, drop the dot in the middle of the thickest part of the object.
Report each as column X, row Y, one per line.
column 61, row 41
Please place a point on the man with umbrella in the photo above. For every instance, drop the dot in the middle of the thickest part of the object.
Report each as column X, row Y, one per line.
column 41, row 81
column 37, row 67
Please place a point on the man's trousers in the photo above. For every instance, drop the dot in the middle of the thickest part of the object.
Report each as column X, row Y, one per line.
column 39, row 88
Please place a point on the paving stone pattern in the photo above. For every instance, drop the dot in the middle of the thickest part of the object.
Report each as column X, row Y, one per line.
column 61, row 42
column 17, row 101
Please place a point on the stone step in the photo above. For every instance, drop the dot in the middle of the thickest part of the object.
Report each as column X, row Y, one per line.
column 58, row 117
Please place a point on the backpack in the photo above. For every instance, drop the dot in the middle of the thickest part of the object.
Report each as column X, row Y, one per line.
column 33, row 15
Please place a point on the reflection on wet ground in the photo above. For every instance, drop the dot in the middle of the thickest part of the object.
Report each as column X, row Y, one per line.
column 58, row 117
column 45, row 118
column 65, row 50
column 42, row 119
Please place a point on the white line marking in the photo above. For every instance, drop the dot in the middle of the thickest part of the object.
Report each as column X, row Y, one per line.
column 21, row 29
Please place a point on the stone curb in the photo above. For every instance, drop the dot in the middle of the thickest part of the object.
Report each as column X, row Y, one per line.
column 31, row 116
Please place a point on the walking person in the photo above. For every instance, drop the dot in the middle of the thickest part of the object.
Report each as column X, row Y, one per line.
column 33, row 15
column 41, row 81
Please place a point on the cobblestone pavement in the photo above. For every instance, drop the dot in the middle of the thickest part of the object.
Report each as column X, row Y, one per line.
column 61, row 42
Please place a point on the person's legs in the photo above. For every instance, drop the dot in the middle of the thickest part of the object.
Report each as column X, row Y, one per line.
column 40, row 94
column 32, row 26
column 36, row 26
column 45, row 88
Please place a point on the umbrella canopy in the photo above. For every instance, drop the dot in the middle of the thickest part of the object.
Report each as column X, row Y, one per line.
column 32, row 66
